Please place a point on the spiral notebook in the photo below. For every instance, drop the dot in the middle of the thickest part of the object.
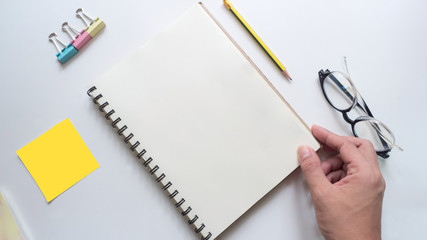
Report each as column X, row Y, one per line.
column 204, row 121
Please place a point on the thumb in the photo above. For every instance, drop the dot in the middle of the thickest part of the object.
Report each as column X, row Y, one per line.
column 310, row 166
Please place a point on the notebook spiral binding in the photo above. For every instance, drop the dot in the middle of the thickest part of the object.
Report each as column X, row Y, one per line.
column 147, row 163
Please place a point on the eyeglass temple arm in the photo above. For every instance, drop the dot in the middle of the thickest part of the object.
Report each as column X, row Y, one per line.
column 365, row 107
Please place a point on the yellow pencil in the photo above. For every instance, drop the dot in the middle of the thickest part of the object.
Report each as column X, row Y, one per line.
column 258, row 39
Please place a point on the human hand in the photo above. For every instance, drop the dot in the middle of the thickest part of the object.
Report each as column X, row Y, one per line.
column 347, row 189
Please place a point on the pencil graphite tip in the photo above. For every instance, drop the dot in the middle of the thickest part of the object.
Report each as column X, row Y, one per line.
column 286, row 74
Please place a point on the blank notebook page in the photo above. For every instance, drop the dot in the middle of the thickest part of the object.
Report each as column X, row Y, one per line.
column 207, row 117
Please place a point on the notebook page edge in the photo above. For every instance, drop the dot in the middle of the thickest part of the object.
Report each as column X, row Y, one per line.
column 255, row 66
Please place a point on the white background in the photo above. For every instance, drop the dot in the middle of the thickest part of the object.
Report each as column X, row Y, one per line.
column 384, row 41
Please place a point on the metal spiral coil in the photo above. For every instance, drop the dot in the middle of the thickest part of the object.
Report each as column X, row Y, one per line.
column 183, row 213
column 146, row 163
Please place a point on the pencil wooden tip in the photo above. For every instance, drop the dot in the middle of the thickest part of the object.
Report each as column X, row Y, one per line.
column 286, row 74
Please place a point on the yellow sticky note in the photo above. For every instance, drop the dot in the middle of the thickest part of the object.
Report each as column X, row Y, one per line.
column 58, row 159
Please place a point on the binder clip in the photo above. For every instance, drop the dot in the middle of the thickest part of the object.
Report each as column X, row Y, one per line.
column 79, row 39
column 66, row 53
column 94, row 26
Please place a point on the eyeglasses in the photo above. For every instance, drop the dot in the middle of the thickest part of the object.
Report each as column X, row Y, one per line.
column 342, row 95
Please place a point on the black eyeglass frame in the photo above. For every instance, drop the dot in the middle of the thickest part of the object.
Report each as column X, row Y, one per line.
column 362, row 105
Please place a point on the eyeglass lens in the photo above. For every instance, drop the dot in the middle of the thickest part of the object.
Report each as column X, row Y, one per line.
column 376, row 132
column 339, row 91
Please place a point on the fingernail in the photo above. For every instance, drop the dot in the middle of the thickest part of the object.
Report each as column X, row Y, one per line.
column 303, row 152
column 316, row 126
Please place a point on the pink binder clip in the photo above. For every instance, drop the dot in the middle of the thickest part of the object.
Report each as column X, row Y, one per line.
column 79, row 39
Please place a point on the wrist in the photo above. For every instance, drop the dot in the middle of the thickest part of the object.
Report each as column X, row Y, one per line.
column 355, row 236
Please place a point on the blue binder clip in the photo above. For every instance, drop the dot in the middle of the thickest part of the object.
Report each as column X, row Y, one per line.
column 67, row 52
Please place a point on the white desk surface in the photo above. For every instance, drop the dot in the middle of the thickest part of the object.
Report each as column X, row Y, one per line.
column 384, row 41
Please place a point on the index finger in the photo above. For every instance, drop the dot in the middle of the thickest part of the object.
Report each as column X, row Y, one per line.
column 347, row 149
column 330, row 139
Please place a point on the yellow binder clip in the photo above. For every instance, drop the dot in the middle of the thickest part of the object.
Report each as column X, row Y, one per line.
column 93, row 26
